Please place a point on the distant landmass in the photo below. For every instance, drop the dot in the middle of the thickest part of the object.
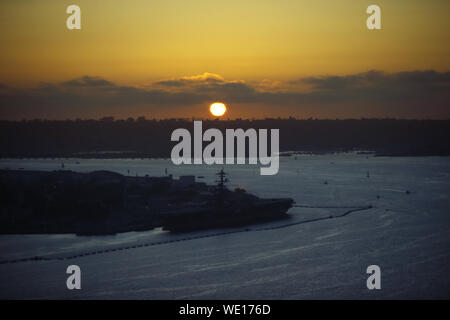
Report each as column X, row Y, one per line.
column 142, row 138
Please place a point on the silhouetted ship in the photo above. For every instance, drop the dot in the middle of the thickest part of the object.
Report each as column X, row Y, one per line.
column 105, row 202
column 223, row 209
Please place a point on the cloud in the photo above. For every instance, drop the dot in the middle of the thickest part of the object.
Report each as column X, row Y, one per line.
column 202, row 79
column 373, row 93
column 205, row 77
column 211, row 86
column 378, row 79
column 87, row 81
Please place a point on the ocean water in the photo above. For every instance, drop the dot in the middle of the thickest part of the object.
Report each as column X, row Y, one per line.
column 406, row 233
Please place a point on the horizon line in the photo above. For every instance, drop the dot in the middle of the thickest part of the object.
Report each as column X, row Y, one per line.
column 143, row 118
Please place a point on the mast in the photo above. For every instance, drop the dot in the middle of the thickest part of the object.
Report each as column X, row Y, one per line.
column 222, row 180
column 221, row 187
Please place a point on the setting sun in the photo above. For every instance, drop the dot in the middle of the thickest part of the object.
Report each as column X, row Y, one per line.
column 218, row 109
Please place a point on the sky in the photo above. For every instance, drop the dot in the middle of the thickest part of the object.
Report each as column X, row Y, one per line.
column 263, row 58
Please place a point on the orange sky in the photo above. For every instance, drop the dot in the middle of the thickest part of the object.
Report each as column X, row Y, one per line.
column 266, row 44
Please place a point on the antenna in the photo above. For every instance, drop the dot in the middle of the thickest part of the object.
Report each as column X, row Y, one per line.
column 222, row 180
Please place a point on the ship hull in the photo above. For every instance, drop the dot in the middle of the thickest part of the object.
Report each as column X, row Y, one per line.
column 213, row 218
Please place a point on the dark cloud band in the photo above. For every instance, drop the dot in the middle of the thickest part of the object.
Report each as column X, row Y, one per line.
column 402, row 94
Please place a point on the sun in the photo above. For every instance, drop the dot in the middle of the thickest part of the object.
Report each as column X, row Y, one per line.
column 217, row 109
